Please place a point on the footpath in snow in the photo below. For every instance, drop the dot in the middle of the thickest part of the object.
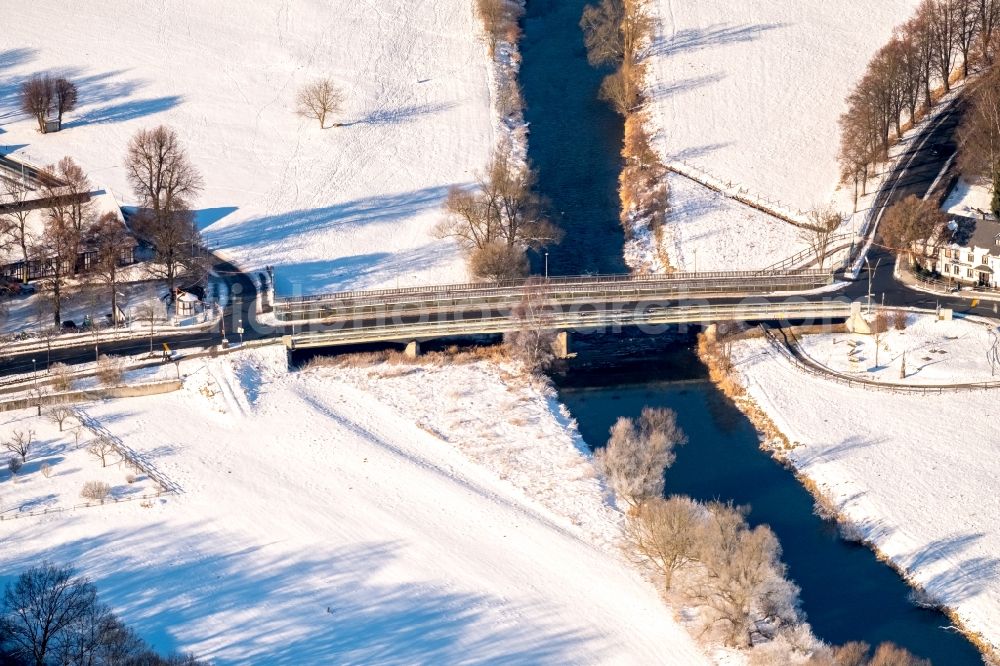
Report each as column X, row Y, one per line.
column 389, row 514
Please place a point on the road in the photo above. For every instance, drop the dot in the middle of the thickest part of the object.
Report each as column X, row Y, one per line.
column 242, row 307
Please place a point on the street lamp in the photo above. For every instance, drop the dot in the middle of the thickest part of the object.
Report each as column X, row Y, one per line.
column 868, row 264
column 546, row 265
column 239, row 329
column 34, row 373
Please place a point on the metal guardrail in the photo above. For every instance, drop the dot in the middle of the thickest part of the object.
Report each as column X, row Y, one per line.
column 564, row 290
column 562, row 320
column 789, row 263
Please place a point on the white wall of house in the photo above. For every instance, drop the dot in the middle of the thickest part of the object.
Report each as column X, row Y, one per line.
column 960, row 264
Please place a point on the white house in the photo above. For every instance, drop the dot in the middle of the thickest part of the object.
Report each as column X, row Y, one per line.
column 973, row 255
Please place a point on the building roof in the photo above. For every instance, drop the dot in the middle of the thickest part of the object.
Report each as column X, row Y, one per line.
column 972, row 232
column 188, row 297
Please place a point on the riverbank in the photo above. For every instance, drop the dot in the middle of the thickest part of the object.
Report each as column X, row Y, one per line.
column 912, row 482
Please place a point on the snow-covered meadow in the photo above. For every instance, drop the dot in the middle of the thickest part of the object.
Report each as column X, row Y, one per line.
column 913, row 474
column 931, row 352
column 749, row 92
column 371, row 514
column 345, row 207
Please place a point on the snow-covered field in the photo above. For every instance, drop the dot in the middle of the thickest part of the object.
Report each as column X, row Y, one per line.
column 750, row 92
column 344, row 207
column 388, row 514
column 935, row 352
column 968, row 199
column 914, row 474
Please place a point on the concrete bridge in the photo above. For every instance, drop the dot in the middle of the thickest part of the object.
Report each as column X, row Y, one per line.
column 410, row 316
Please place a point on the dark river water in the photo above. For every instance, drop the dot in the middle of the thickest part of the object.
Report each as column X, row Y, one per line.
column 575, row 142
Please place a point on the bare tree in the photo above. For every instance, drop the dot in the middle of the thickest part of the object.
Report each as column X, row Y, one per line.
column 58, row 250
column 989, row 16
column 319, row 100
column 60, row 413
column 742, row 587
column 966, row 29
column 37, row 94
column 499, row 19
column 62, row 376
column 42, row 604
column 148, row 312
column 66, row 190
column 614, row 31
column 110, row 370
column 165, row 181
column 65, row 94
column 533, row 343
column 160, row 172
column 666, row 533
column 911, row 224
column 15, row 220
column 51, row 616
column 111, row 241
column 942, row 14
column 637, row 454
column 979, row 133
column 101, row 447
column 888, row 654
column 20, row 443
column 879, row 326
column 69, row 184
column 822, row 224
column 498, row 262
column 504, row 209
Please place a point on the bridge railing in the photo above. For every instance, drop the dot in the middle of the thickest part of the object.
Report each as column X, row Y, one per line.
column 562, row 289
column 589, row 320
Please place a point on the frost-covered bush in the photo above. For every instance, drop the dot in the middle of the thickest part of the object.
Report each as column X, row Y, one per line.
column 95, row 490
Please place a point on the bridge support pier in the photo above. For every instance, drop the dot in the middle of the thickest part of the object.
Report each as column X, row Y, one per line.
column 857, row 322
column 412, row 349
column 561, row 345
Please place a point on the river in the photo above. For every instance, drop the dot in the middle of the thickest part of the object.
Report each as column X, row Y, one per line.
column 574, row 142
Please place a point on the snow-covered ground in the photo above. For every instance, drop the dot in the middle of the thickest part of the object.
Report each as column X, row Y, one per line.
column 749, row 93
column 935, row 352
column 388, row 514
column 968, row 199
column 914, row 474
column 346, row 207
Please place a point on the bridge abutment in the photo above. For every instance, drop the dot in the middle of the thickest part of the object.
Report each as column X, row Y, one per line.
column 412, row 349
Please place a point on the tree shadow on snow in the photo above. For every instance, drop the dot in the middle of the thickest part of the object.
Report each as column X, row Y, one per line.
column 321, row 605
column 717, row 34
column 289, row 227
column 403, row 114
column 124, row 111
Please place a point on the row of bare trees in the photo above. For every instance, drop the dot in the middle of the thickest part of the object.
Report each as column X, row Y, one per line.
column 42, row 95
column 164, row 181
column 979, row 135
column 616, row 34
column 52, row 616
column 709, row 558
column 899, row 83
